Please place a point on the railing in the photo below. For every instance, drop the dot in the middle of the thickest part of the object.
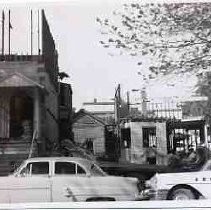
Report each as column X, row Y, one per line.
column 15, row 57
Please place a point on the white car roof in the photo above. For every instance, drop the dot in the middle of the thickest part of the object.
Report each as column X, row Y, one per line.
column 57, row 159
column 86, row 163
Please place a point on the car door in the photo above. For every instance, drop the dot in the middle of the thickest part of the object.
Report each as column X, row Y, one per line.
column 4, row 189
column 32, row 184
column 70, row 182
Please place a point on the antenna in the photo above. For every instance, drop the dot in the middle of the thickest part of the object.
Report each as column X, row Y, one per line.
column 31, row 34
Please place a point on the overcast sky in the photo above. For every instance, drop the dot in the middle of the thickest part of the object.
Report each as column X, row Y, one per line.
column 94, row 71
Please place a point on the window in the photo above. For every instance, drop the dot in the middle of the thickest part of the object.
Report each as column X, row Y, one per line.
column 36, row 168
column 97, row 171
column 126, row 137
column 89, row 144
column 68, row 168
column 80, row 170
column 65, row 168
column 149, row 137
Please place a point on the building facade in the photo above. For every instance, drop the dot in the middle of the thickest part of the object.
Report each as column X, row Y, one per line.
column 145, row 142
column 29, row 106
column 89, row 132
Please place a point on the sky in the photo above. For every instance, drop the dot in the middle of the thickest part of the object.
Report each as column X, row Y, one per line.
column 94, row 71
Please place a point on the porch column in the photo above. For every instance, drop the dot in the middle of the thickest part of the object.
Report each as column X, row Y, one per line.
column 4, row 115
column 36, row 114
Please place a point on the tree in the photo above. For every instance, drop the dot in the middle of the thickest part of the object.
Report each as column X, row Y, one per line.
column 63, row 75
column 204, row 89
column 176, row 38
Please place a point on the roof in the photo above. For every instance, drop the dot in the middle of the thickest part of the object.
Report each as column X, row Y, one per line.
column 77, row 159
column 195, row 98
column 87, row 164
column 142, row 118
column 83, row 112
column 19, row 80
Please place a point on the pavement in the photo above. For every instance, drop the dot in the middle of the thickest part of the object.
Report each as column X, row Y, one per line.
column 142, row 205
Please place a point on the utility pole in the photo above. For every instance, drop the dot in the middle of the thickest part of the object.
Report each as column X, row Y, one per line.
column 9, row 34
column 117, row 108
column 38, row 32
column 128, row 102
column 117, row 115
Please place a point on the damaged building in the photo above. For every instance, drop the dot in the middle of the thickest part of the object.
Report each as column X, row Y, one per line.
column 29, row 103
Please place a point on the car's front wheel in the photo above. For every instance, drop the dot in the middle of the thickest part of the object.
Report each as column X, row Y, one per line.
column 182, row 194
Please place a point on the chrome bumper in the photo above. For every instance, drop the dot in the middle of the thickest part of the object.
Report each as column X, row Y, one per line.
column 151, row 194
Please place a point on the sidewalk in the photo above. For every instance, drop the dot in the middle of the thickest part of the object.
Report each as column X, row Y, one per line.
column 142, row 205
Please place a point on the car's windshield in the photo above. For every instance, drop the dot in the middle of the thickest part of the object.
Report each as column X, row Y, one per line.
column 207, row 166
column 18, row 169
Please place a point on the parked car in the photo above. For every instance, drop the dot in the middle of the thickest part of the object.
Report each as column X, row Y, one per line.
column 63, row 179
column 180, row 186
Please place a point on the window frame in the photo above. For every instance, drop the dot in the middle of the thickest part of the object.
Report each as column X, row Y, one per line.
column 149, row 128
column 76, row 169
column 30, row 170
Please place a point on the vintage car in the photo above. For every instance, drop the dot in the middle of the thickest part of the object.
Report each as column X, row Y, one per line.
column 64, row 179
column 180, row 186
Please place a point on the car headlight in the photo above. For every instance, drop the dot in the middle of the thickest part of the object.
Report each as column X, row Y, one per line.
column 141, row 185
column 148, row 184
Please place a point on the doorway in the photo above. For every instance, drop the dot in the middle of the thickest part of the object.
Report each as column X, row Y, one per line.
column 21, row 116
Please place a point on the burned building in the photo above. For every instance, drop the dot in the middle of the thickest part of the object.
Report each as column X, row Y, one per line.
column 29, row 107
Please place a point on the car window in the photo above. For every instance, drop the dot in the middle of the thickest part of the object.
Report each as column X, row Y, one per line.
column 65, row 168
column 68, row 168
column 80, row 170
column 207, row 167
column 96, row 170
column 36, row 168
column 25, row 171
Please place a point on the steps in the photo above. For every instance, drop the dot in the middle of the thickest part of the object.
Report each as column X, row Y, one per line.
column 9, row 162
column 12, row 154
column 15, row 147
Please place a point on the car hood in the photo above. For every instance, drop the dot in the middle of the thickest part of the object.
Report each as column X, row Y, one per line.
column 177, row 178
column 128, row 179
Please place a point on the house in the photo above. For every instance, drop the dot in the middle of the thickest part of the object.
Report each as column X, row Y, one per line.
column 194, row 107
column 89, row 131
column 149, row 139
column 29, row 107
column 101, row 109
column 139, row 136
column 93, row 134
